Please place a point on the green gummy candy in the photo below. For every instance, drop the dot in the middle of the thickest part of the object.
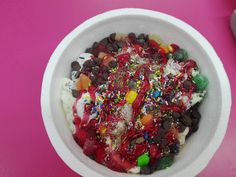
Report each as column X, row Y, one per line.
column 165, row 162
column 180, row 55
column 201, row 81
column 143, row 160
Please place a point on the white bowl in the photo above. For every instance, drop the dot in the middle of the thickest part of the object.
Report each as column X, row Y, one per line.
column 215, row 109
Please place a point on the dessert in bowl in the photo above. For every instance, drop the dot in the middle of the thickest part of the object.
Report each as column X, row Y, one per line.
column 214, row 110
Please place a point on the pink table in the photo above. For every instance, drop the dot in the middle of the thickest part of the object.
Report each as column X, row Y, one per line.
column 30, row 31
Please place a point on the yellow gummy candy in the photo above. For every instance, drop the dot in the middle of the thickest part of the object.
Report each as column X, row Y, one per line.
column 131, row 96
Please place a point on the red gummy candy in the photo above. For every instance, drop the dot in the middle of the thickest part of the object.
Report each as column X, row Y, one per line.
column 81, row 136
column 90, row 146
column 154, row 44
column 100, row 155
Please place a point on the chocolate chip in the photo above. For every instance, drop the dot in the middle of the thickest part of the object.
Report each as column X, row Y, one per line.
column 113, row 36
column 105, row 69
column 89, row 50
column 95, row 45
column 166, row 150
column 145, row 170
column 75, row 93
column 120, row 44
column 161, row 132
column 75, row 66
column 145, row 45
column 141, row 41
column 194, row 128
column 87, row 63
column 112, row 64
column 95, row 70
column 166, row 125
column 196, row 114
column 104, row 41
column 141, row 36
column 110, row 48
column 97, row 61
column 182, row 128
column 115, row 47
column 105, row 76
column 95, row 52
column 186, row 120
column 94, row 81
column 175, row 115
column 187, row 84
column 157, row 139
column 132, row 37
column 163, row 143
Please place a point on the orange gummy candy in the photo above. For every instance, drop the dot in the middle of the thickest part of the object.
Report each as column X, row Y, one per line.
column 83, row 82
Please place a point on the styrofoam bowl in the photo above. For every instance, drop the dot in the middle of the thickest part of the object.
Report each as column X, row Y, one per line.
column 215, row 109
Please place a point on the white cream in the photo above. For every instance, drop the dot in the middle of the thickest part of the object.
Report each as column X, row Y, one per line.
column 197, row 97
column 134, row 170
column 67, row 101
column 67, row 84
column 182, row 136
column 172, row 67
column 85, row 98
column 84, row 57
column 126, row 112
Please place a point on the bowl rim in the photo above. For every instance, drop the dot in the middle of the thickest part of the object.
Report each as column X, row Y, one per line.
column 60, row 147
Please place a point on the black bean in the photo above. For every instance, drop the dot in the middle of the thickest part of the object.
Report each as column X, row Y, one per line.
column 75, row 66
column 112, row 64
column 145, row 170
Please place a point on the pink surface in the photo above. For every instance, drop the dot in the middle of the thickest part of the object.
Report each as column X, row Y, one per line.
column 30, row 31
